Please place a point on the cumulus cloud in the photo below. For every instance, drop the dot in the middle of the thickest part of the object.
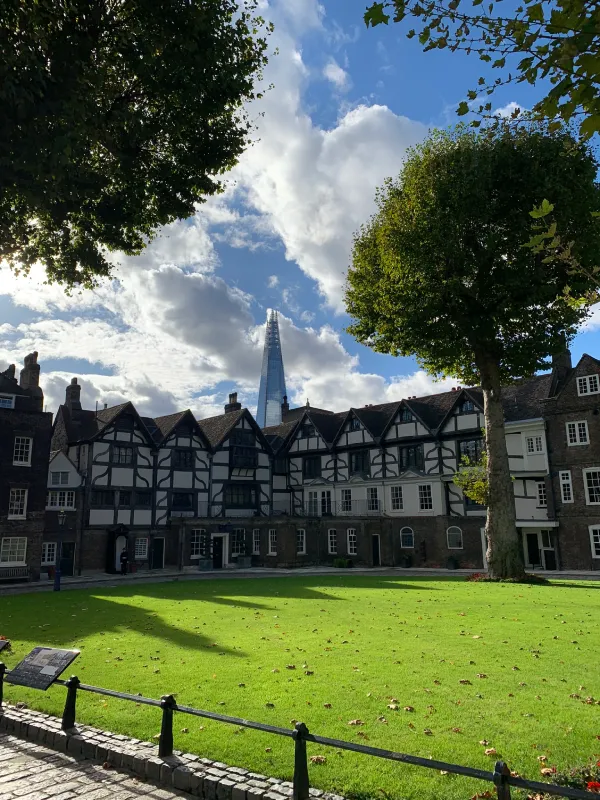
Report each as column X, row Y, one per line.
column 507, row 111
column 273, row 282
column 336, row 75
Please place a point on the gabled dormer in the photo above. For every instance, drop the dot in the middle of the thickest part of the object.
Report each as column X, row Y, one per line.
column 406, row 422
column 307, row 436
column 465, row 414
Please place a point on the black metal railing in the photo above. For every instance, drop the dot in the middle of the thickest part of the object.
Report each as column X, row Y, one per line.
column 501, row 777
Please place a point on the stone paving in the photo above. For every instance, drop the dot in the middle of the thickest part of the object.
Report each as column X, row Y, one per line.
column 30, row 771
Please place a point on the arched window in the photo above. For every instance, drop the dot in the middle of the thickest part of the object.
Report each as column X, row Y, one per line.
column 407, row 538
column 455, row 539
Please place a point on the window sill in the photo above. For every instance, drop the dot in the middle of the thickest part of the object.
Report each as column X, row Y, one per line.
column 13, row 564
column 21, row 464
column 301, row 553
column 12, row 516
column 60, row 508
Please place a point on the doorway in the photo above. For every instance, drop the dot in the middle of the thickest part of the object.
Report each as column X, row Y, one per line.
column 217, row 552
column 120, row 543
column 376, row 550
column 533, row 551
column 67, row 559
column 157, row 556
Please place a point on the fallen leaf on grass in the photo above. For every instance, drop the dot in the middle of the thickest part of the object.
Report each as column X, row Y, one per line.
column 268, row 750
column 484, row 742
column 548, row 771
column 382, row 719
column 408, row 708
column 410, row 725
column 356, row 722
column 318, row 760
column 481, row 675
column 428, row 732
column 542, row 758
column 490, row 751
column 185, row 730
column 393, row 706
column 290, row 666
column 456, row 730
column 465, row 682
column 326, row 705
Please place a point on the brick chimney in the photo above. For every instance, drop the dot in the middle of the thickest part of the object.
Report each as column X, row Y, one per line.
column 73, row 395
column 30, row 374
column 562, row 364
column 233, row 404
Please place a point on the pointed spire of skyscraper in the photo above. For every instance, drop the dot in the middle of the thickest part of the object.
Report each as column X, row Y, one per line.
column 272, row 377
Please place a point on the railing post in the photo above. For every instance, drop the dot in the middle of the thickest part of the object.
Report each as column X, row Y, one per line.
column 501, row 774
column 2, row 671
column 165, row 743
column 68, row 718
column 301, row 784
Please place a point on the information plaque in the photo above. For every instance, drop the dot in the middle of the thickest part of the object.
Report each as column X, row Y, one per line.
column 4, row 643
column 41, row 667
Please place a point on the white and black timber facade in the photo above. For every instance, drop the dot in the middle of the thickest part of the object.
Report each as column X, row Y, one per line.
column 370, row 485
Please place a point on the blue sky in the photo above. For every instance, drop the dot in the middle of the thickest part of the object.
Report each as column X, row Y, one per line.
column 182, row 324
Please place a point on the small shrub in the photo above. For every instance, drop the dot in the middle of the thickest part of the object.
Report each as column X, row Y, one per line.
column 481, row 577
column 341, row 563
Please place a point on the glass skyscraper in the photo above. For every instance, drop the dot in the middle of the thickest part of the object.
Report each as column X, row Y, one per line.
column 272, row 378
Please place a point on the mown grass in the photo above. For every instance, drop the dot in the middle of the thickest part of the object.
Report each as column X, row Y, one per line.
column 494, row 662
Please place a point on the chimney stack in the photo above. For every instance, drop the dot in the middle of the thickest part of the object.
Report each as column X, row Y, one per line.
column 72, row 396
column 285, row 407
column 30, row 374
column 562, row 364
column 233, row 404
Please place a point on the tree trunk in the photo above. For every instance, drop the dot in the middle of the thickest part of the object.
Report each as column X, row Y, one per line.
column 504, row 551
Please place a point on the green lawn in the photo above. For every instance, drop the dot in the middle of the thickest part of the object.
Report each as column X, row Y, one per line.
column 494, row 662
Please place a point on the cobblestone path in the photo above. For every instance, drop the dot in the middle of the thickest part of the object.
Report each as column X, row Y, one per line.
column 31, row 771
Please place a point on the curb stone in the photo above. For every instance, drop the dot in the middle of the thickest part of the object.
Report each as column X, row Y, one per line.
column 186, row 772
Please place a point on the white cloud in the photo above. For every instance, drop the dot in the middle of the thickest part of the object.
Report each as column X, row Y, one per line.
column 508, row 110
column 336, row 75
column 273, row 282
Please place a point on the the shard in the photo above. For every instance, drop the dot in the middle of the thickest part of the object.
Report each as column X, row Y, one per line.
column 272, row 377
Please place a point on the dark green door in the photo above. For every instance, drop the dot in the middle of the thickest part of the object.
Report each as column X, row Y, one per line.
column 67, row 559
column 158, row 553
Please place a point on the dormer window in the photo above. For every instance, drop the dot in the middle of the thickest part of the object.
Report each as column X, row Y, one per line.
column 588, row 384
column 354, row 424
column 406, row 415
column 7, row 401
column 466, row 407
column 307, row 430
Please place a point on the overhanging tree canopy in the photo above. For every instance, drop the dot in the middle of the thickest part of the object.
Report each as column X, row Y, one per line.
column 535, row 40
column 441, row 272
column 117, row 117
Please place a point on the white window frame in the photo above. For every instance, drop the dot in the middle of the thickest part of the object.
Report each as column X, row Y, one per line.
column 48, row 548
column 406, row 530
column 352, row 542
column 584, row 384
column 59, row 479
column 373, row 498
column 272, row 541
column 300, row 541
column 454, row 528
column 238, row 542
column 313, row 502
column 7, row 400
column 398, row 501
column 422, row 497
column 53, row 500
column 534, row 444
column 595, row 540
column 140, row 554
column 11, row 501
column 22, row 443
column 542, row 494
column 577, row 433
column 564, row 478
column 332, row 541
column 589, row 502
column 196, row 536
column 256, row 541
column 346, row 501
column 5, row 544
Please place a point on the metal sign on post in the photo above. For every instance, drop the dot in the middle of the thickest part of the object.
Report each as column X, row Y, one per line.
column 41, row 667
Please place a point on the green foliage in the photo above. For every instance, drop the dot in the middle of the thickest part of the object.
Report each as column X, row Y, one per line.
column 472, row 478
column 342, row 563
column 557, row 42
column 117, row 118
column 440, row 270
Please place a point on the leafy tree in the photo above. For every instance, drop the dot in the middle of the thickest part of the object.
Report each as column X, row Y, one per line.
column 440, row 271
column 472, row 478
column 558, row 41
column 118, row 116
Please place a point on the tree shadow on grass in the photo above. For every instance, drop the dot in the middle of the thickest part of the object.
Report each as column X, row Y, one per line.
column 70, row 618
column 587, row 584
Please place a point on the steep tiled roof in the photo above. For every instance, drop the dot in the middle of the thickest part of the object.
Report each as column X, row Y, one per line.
column 276, row 435
column 294, row 414
column 432, row 409
column 166, row 424
column 326, row 423
column 216, row 428
column 524, row 400
column 376, row 418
